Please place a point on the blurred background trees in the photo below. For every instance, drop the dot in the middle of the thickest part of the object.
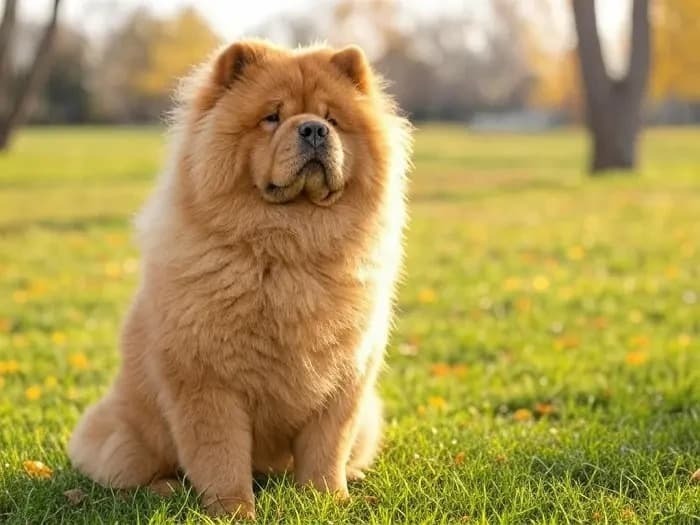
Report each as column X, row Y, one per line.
column 17, row 91
column 613, row 105
column 491, row 64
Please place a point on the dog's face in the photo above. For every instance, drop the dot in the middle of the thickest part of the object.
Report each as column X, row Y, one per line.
column 287, row 126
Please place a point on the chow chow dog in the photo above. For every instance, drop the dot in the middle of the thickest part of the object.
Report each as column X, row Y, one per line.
column 271, row 249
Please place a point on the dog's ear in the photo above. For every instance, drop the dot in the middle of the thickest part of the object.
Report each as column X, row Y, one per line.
column 235, row 59
column 352, row 62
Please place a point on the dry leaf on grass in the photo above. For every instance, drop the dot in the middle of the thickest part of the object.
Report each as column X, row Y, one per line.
column 522, row 414
column 75, row 496
column 37, row 469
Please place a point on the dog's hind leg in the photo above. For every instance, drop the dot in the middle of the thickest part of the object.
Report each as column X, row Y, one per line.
column 368, row 439
column 122, row 445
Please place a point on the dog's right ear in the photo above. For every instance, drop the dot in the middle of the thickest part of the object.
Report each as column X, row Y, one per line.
column 235, row 59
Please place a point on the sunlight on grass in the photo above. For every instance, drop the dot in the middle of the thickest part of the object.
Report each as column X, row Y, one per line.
column 545, row 365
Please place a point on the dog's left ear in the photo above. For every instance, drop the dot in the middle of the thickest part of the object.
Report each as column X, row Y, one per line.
column 235, row 59
column 352, row 62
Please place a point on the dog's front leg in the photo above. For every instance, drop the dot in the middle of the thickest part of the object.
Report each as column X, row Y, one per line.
column 213, row 436
column 322, row 448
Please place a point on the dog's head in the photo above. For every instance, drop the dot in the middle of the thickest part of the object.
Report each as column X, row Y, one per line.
column 284, row 126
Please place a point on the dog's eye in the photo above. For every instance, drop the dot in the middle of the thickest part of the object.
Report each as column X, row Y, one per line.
column 273, row 118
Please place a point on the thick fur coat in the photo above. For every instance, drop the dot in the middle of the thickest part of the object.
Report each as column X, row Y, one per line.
column 271, row 249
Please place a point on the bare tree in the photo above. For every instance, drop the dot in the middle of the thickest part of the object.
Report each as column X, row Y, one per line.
column 14, row 103
column 614, row 107
column 7, row 26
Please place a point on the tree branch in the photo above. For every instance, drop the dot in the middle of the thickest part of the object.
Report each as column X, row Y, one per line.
column 7, row 26
column 639, row 62
column 595, row 77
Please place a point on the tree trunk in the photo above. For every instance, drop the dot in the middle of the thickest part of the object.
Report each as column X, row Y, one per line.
column 32, row 81
column 613, row 108
column 7, row 27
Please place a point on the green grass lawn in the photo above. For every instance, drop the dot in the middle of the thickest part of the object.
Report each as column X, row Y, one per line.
column 546, row 362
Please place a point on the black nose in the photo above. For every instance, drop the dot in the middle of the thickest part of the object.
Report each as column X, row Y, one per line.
column 313, row 132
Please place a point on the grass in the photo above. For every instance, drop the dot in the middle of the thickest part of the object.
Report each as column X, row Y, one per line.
column 546, row 362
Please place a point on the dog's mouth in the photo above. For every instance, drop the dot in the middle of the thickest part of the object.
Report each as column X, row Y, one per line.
column 312, row 180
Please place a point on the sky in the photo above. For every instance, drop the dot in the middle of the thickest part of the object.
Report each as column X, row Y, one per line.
column 232, row 19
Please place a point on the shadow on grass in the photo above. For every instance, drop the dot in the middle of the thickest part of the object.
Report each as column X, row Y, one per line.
column 73, row 224
column 483, row 191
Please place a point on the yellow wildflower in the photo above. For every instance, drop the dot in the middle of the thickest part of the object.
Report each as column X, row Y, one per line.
column 78, row 361
column 113, row 269
column 9, row 367
column 540, row 283
column 636, row 358
column 684, row 340
column 511, row 284
column 58, row 338
column 427, row 295
column 437, row 402
column 20, row 296
column 575, row 253
column 33, row 393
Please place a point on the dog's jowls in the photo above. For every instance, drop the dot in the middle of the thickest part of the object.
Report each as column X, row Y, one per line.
column 270, row 253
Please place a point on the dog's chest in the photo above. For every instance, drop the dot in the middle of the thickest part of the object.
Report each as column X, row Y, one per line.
column 285, row 332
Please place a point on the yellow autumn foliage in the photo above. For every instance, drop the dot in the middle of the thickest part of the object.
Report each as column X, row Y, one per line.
column 676, row 39
column 176, row 44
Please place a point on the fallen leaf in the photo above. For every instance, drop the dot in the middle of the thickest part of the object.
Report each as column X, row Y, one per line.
column 639, row 341
column 522, row 414
column 440, row 369
column 544, row 409
column 75, row 496
column 460, row 370
column 512, row 283
column 37, row 469
column 371, row 500
column 636, row 358
column 459, row 458
column 566, row 342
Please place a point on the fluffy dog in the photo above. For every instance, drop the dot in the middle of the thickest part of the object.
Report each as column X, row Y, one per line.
column 270, row 254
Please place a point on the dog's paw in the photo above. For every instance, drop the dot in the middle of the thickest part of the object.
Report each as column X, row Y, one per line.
column 165, row 487
column 355, row 474
column 233, row 507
